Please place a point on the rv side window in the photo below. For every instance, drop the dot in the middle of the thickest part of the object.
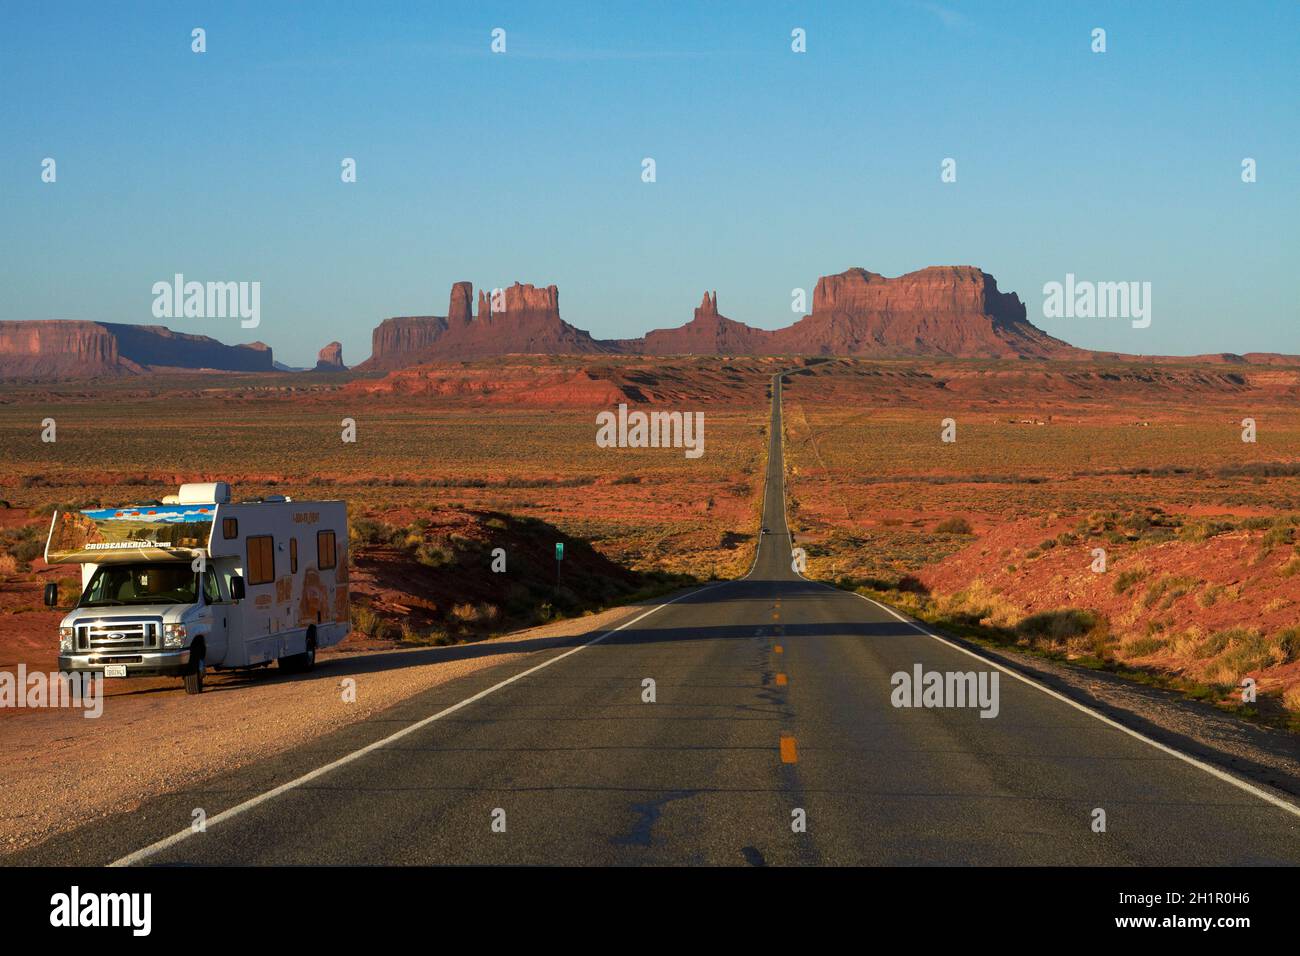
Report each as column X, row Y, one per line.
column 293, row 555
column 261, row 559
column 230, row 528
column 325, row 556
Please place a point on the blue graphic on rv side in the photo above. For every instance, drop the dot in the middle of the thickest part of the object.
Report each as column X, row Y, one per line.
column 158, row 514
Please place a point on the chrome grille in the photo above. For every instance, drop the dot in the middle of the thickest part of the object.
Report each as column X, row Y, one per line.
column 113, row 636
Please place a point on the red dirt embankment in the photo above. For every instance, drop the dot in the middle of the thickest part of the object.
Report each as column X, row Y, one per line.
column 1215, row 609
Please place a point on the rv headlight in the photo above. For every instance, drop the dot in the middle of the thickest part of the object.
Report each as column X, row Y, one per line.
column 173, row 635
column 66, row 635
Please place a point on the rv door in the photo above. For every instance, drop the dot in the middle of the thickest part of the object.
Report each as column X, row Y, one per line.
column 218, row 616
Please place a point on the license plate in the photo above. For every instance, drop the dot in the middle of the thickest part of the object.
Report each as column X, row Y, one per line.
column 114, row 670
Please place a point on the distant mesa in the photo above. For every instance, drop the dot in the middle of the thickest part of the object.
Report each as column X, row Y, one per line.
column 330, row 358
column 49, row 349
column 953, row 311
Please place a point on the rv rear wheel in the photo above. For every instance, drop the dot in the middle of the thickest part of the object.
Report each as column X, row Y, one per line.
column 194, row 676
column 298, row 663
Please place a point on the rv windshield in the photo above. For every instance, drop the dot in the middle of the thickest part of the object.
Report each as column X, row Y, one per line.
column 150, row 583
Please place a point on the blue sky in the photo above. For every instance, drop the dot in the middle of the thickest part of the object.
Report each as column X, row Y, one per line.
column 773, row 167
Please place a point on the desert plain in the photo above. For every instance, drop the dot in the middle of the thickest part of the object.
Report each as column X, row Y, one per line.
column 995, row 534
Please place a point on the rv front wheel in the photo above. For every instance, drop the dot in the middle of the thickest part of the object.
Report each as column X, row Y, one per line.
column 194, row 676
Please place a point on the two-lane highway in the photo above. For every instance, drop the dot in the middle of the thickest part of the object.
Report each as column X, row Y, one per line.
column 772, row 708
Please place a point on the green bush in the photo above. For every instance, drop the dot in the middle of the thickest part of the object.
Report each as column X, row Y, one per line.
column 1126, row 579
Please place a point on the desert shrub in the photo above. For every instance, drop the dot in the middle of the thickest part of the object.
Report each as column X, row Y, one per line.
column 433, row 554
column 1058, row 626
column 1210, row 595
column 1144, row 646
column 1218, row 642
column 368, row 532
column 1290, row 568
column 465, row 613
column 1170, row 588
column 1126, row 579
column 1288, row 641
column 24, row 545
column 953, row 526
column 366, row 621
column 1279, row 534
column 8, row 564
column 1204, row 530
column 1247, row 650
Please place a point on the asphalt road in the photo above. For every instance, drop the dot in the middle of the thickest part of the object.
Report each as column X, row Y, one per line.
column 772, row 697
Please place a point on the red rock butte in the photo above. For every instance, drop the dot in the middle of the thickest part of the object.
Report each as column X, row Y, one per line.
column 936, row 312
column 954, row 311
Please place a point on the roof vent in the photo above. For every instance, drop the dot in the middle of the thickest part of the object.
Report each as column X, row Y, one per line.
column 206, row 493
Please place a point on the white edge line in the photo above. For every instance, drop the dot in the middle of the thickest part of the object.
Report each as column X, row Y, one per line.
column 163, row 844
column 1212, row 770
column 1186, row 758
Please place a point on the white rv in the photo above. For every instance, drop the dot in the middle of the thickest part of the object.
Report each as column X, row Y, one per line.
column 197, row 581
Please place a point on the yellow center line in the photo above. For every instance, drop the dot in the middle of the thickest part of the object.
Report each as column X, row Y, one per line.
column 781, row 680
column 778, row 649
column 789, row 751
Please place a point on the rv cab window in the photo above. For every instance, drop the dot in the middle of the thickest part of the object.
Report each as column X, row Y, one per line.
column 146, row 583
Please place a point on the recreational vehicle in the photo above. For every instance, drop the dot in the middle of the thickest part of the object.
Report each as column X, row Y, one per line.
column 198, row 581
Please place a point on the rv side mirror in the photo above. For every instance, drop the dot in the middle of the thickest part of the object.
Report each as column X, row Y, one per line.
column 236, row 588
column 51, row 595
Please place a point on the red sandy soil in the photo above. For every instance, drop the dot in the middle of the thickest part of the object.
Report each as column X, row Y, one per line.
column 1254, row 593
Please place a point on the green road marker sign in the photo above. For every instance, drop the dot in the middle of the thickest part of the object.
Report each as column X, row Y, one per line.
column 559, row 551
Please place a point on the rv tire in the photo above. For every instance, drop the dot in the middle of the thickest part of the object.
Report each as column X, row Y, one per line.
column 198, row 670
column 299, row 663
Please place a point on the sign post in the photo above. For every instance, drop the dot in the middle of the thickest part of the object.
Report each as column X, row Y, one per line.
column 559, row 556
